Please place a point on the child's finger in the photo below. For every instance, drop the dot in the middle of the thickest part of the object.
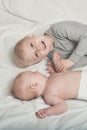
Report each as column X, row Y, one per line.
column 58, row 69
column 58, row 65
column 64, row 70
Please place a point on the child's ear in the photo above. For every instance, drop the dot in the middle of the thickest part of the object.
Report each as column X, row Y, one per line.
column 33, row 87
column 30, row 35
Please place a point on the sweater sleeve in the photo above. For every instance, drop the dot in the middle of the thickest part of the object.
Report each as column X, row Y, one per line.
column 80, row 50
column 75, row 32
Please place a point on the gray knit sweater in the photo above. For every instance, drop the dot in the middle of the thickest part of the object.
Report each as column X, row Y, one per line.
column 70, row 39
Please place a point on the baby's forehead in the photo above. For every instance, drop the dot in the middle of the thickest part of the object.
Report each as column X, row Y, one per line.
column 28, row 77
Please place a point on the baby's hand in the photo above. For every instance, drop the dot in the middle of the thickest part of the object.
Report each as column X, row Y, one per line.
column 42, row 113
column 56, row 60
column 50, row 67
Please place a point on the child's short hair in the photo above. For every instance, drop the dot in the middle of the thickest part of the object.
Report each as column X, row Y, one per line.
column 19, row 54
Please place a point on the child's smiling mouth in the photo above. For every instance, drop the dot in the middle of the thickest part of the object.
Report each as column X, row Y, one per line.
column 43, row 45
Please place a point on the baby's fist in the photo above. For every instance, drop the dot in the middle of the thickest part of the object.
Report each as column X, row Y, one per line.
column 42, row 113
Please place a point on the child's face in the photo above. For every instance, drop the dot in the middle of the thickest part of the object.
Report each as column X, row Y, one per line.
column 29, row 85
column 34, row 49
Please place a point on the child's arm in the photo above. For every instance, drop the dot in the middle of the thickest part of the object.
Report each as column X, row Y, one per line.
column 75, row 32
column 58, row 106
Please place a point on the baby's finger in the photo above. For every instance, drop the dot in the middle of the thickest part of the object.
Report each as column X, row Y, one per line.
column 49, row 63
column 50, row 69
column 38, row 114
column 41, row 113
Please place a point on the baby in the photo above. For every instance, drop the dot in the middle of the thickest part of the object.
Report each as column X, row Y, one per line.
column 54, row 89
column 68, row 38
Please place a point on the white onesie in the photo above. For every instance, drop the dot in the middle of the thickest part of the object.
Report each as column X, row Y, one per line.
column 83, row 86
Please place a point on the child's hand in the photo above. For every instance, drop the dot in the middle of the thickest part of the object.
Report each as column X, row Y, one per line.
column 63, row 65
column 42, row 113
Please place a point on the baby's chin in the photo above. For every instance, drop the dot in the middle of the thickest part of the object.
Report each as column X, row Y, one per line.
column 30, row 97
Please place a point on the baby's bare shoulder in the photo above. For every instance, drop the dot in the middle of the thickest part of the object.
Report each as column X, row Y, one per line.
column 52, row 99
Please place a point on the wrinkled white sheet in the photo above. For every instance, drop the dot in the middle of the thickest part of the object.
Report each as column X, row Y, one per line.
column 20, row 115
column 48, row 11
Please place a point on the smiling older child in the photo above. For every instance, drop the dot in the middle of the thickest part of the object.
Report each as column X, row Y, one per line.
column 68, row 38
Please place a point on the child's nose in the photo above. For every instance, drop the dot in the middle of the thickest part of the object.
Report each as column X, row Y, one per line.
column 38, row 47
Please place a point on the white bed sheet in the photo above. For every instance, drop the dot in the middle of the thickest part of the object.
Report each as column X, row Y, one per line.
column 20, row 115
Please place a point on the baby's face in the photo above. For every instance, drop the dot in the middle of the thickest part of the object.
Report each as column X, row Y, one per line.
column 29, row 85
column 34, row 48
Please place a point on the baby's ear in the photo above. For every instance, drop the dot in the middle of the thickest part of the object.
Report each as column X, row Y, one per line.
column 33, row 87
column 30, row 35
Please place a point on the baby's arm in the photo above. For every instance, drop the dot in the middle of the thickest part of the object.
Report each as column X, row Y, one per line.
column 58, row 106
column 53, row 65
